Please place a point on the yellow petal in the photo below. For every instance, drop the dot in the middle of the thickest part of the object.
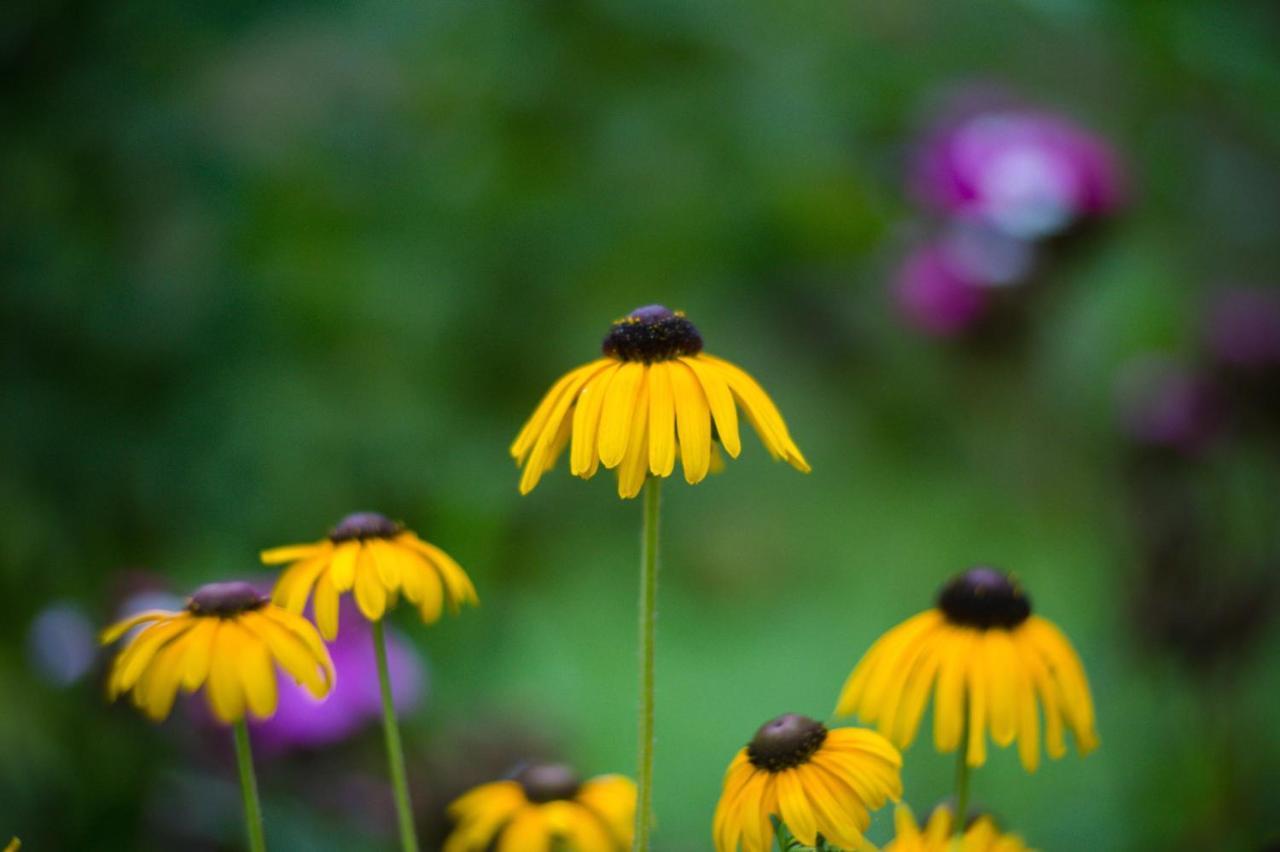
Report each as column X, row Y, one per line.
column 693, row 422
column 634, row 468
column 371, row 595
column 662, row 421
column 326, row 607
column 115, row 631
column 534, row 426
column 293, row 552
column 583, row 458
column 796, row 811
column 720, row 399
column 762, row 413
column 617, row 416
column 257, row 675
column 294, row 586
column 550, row 436
column 291, row 652
column 342, row 567
column 225, row 693
column 527, row 832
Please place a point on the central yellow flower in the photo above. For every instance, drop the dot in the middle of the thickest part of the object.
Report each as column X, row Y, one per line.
column 654, row 397
column 376, row 558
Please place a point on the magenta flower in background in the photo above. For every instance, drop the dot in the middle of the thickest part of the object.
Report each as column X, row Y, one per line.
column 1244, row 329
column 1165, row 405
column 934, row 295
column 1029, row 172
column 303, row 722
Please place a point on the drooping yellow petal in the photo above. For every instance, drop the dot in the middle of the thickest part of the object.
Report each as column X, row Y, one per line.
column 796, row 811
column 294, row 552
column 461, row 591
column 693, row 422
column 534, row 426
column 343, row 565
column 617, row 415
column 158, row 686
column 133, row 660
column 295, row 583
column 583, row 455
column 949, row 697
column 834, row 820
column 1002, row 683
column 115, row 631
column 371, row 595
column 326, row 607
column 224, row 691
column 257, row 674
column 613, row 797
column 762, row 413
column 527, row 832
column 720, row 400
column 199, row 645
column 976, row 695
column 292, row 652
column 550, row 436
column 635, row 463
column 662, row 421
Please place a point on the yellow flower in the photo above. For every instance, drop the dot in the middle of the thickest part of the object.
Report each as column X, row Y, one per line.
column 14, row 845
column 227, row 637
column 992, row 666
column 815, row 780
column 982, row 835
column 542, row 807
column 653, row 397
column 376, row 557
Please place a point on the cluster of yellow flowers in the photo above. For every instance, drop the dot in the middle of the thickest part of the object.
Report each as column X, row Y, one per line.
column 654, row 398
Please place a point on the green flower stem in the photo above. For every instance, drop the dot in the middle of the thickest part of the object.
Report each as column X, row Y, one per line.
column 648, row 606
column 395, row 751
column 249, row 788
column 962, row 783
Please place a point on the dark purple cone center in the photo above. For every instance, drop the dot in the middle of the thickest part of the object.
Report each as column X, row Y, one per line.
column 788, row 741
column 548, row 782
column 226, row 599
column 652, row 333
column 984, row 597
column 364, row 525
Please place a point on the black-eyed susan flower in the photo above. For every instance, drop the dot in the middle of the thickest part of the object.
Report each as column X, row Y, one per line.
column 992, row 666
column 819, row 782
column 545, row 807
column 229, row 639
column 14, row 845
column 938, row 835
column 654, row 397
column 376, row 559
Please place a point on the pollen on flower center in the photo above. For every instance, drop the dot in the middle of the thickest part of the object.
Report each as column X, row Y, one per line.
column 788, row 741
column 364, row 525
column 984, row 597
column 226, row 599
column 548, row 782
column 652, row 333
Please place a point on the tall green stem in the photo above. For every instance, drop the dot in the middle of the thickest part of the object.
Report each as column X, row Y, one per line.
column 395, row 751
column 249, row 788
column 962, row 783
column 648, row 608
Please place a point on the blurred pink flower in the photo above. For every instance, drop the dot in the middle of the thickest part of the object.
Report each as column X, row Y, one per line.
column 934, row 295
column 1166, row 405
column 1029, row 172
column 1244, row 328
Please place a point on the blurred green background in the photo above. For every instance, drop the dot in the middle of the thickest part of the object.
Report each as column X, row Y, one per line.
column 269, row 263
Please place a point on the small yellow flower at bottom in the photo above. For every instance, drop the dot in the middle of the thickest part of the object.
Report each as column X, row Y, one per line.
column 226, row 640
column 817, row 781
column 14, row 845
column 543, row 806
column 376, row 559
column 982, row 835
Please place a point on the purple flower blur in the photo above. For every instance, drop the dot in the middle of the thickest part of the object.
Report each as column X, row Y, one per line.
column 1244, row 329
column 1164, row 405
column 1028, row 172
column 935, row 295
column 303, row 722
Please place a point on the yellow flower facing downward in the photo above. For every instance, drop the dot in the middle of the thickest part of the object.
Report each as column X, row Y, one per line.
column 982, row 835
column 544, row 807
column 14, row 845
column 377, row 559
column 654, row 397
column 992, row 667
column 817, row 781
column 229, row 639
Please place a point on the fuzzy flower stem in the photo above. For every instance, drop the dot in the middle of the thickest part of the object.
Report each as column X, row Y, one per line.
column 648, row 606
column 249, row 788
column 395, row 751
column 962, row 785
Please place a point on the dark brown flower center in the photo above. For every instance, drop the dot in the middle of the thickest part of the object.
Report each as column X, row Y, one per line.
column 548, row 782
column 789, row 740
column 652, row 333
column 364, row 525
column 226, row 599
column 984, row 597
